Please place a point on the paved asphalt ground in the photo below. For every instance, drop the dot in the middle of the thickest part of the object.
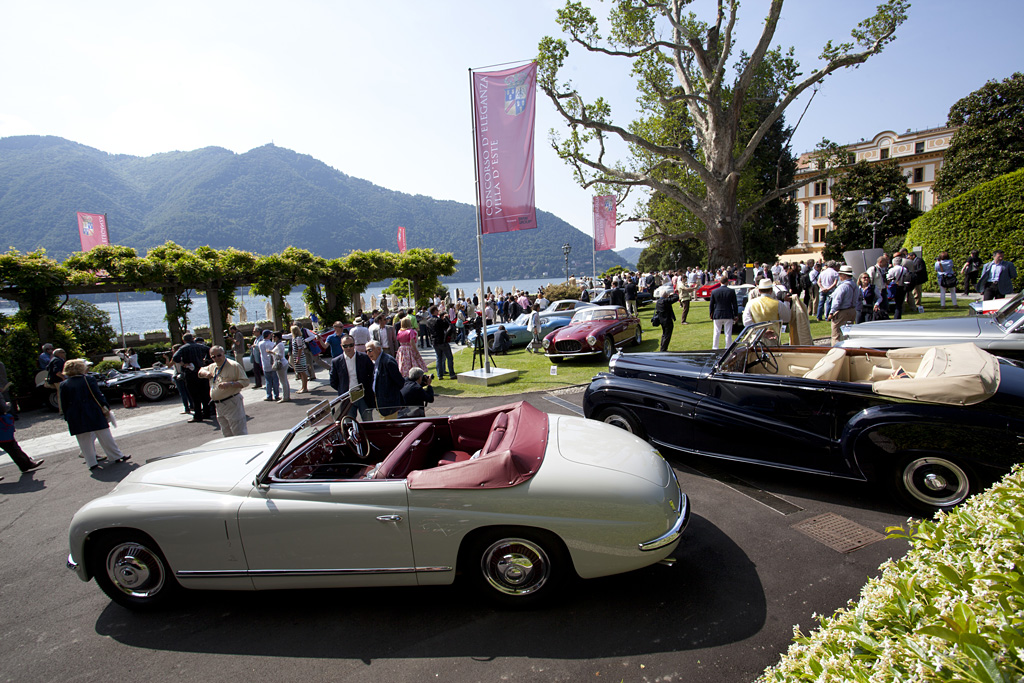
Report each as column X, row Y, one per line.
column 726, row 610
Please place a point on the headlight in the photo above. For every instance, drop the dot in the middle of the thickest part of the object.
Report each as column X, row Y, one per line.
column 547, row 343
column 592, row 340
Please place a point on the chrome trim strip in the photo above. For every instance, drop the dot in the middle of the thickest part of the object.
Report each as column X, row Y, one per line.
column 256, row 573
column 675, row 532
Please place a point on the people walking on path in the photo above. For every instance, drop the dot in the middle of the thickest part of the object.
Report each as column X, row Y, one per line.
column 10, row 445
column 86, row 411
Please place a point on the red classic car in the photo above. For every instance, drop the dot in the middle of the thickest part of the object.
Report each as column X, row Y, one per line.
column 704, row 292
column 596, row 330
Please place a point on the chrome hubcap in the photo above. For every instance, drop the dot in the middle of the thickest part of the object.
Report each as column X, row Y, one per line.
column 620, row 422
column 135, row 570
column 936, row 481
column 515, row 566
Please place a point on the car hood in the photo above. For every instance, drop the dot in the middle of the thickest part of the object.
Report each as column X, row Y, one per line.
column 585, row 329
column 619, row 451
column 946, row 329
column 216, row 466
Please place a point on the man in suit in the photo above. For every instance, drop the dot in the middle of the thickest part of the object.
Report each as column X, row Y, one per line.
column 724, row 310
column 194, row 356
column 617, row 295
column 350, row 369
column 997, row 277
column 666, row 318
column 387, row 381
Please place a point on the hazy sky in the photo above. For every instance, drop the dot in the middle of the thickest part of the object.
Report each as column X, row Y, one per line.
column 380, row 90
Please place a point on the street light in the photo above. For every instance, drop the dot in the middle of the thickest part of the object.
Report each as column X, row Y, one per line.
column 565, row 250
column 863, row 206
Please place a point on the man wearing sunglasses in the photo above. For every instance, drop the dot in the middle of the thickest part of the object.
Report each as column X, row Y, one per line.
column 227, row 379
column 351, row 369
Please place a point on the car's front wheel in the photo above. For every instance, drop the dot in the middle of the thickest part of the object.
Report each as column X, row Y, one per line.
column 623, row 419
column 518, row 567
column 638, row 338
column 132, row 571
column 52, row 400
column 931, row 482
column 609, row 349
column 151, row 390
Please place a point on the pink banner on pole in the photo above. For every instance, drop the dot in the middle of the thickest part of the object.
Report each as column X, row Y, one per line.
column 504, row 111
column 92, row 229
column 604, row 222
column 401, row 239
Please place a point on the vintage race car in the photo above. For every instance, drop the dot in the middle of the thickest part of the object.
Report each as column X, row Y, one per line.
column 935, row 423
column 982, row 307
column 516, row 500
column 1001, row 333
column 593, row 331
column 151, row 384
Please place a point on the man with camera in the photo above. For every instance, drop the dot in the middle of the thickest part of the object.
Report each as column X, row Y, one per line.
column 417, row 392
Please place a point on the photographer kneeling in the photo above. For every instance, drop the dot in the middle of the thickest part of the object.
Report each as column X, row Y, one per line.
column 417, row 393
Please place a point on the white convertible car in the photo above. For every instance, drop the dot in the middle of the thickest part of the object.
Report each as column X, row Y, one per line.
column 517, row 500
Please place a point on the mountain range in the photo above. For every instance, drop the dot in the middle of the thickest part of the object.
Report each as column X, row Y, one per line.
column 262, row 201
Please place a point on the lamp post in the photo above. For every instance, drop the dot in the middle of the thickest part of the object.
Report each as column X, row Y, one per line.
column 565, row 250
column 863, row 206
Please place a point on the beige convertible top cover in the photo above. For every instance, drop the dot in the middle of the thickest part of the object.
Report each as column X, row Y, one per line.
column 961, row 374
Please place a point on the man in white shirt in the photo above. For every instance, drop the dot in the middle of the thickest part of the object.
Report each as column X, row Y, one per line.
column 227, row 379
column 827, row 281
column 361, row 334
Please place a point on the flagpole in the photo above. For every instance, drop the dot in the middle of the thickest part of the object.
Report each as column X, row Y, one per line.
column 593, row 221
column 117, row 295
column 479, row 227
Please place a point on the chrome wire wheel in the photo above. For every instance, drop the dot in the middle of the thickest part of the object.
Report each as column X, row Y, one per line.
column 152, row 391
column 638, row 338
column 135, row 570
column 609, row 348
column 935, row 482
column 515, row 566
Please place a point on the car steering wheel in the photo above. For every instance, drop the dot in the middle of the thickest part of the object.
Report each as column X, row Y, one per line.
column 355, row 436
column 766, row 358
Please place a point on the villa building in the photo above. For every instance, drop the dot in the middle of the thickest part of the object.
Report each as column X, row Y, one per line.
column 919, row 154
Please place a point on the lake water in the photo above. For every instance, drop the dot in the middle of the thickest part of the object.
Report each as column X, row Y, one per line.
column 144, row 316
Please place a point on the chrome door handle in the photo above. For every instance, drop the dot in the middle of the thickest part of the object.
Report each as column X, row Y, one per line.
column 390, row 518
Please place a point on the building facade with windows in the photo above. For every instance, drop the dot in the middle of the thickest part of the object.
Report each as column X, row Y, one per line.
column 919, row 154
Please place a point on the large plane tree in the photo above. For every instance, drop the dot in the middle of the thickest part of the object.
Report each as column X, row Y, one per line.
column 692, row 139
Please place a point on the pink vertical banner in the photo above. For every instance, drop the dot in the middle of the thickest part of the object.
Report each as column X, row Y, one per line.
column 504, row 112
column 604, row 222
column 401, row 239
column 92, row 230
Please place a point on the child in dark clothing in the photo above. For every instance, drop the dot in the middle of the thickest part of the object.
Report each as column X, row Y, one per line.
column 7, row 442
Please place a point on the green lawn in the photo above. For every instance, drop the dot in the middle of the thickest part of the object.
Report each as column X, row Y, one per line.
column 535, row 369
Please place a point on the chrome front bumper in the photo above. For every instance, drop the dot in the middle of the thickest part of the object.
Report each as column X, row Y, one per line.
column 673, row 534
column 77, row 569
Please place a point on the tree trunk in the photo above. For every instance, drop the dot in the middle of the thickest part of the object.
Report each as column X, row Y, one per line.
column 724, row 232
column 216, row 317
column 277, row 302
column 170, row 297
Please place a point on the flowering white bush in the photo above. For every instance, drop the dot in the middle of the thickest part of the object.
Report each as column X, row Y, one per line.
column 951, row 610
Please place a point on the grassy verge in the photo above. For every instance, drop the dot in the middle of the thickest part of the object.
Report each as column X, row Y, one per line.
column 951, row 610
column 535, row 369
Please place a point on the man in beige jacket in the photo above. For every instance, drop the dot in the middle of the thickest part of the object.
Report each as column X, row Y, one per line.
column 227, row 379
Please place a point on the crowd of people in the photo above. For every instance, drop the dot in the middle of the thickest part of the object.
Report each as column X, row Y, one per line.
column 378, row 359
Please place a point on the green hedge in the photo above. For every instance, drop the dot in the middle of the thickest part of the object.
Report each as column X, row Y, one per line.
column 951, row 610
column 986, row 218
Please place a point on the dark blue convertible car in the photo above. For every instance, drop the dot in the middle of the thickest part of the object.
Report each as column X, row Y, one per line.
column 935, row 423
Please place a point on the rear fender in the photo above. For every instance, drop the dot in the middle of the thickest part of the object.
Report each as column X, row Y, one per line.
column 873, row 440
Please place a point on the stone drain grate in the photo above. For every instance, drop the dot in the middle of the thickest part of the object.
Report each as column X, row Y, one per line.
column 838, row 532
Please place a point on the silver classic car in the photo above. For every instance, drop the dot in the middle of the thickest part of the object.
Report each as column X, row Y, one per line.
column 515, row 500
column 1001, row 334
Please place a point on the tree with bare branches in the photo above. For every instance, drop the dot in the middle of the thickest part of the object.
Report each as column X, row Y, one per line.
column 689, row 144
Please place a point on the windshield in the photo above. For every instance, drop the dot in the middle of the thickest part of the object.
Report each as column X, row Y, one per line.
column 1010, row 314
column 735, row 357
column 587, row 314
column 523, row 320
column 323, row 413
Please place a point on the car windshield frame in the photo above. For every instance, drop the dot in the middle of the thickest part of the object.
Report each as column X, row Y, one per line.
column 1009, row 317
column 751, row 335
column 316, row 419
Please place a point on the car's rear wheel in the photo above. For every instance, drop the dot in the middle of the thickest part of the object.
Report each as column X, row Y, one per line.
column 132, row 571
column 151, row 390
column 638, row 338
column 623, row 419
column 609, row 349
column 518, row 567
column 931, row 482
column 51, row 400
